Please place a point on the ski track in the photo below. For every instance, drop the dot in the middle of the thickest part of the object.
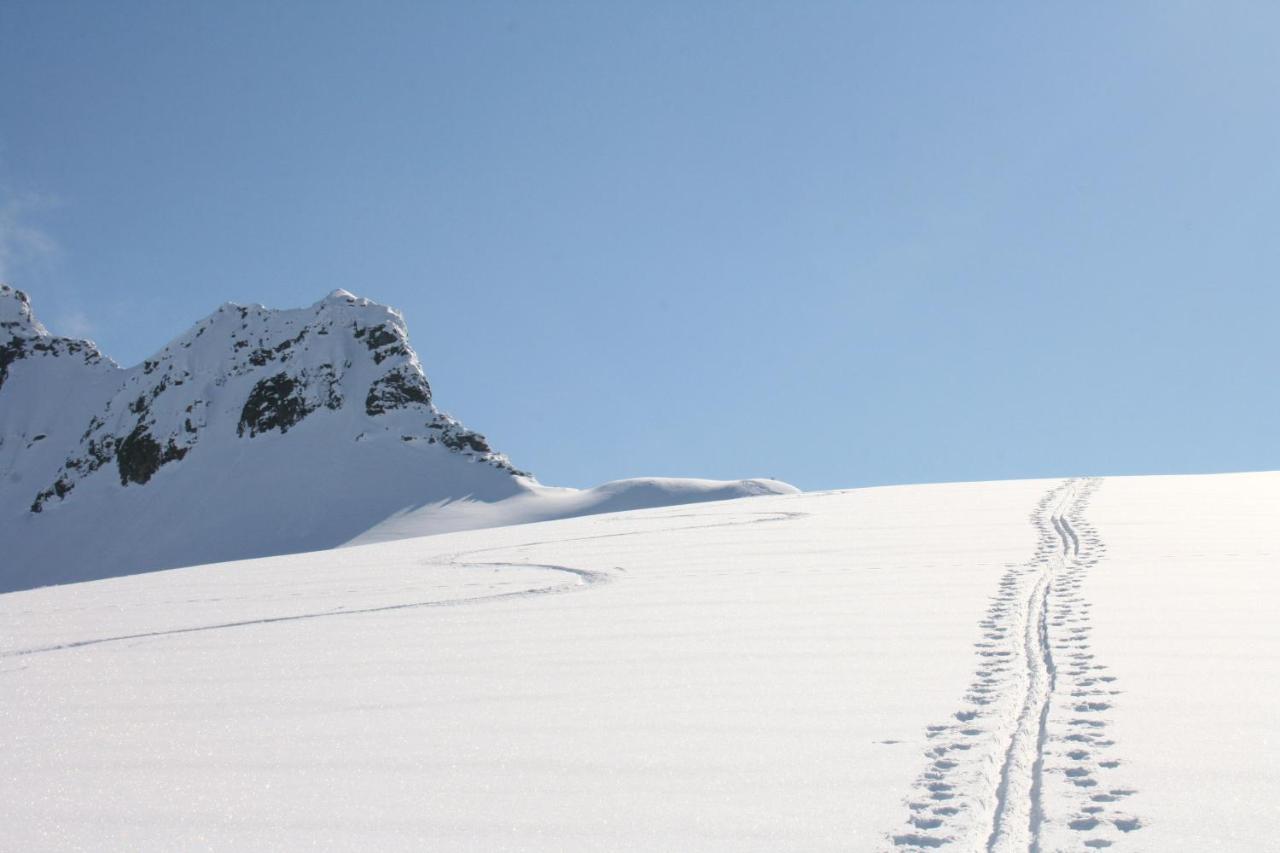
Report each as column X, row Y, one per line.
column 582, row 578
column 1026, row 764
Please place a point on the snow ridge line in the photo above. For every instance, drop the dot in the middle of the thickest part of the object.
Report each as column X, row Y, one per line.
column 1004, row 776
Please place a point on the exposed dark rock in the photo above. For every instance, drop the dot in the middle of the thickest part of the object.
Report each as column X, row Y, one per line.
column 381, row 355
column 291, row 341
column 94, row 423
column 396, row 390
column 262, row 355
column 101, row 452
column 10, row 352
column 379, row 336
column 274, row 403
column 464, row 439
column 139, row 456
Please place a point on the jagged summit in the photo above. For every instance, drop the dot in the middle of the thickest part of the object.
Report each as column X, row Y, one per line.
column 262, row 372
column 24, row 337
column 19, row 323
column 15, row 311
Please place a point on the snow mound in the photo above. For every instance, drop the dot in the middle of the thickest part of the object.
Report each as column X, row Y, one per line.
column 544, row 503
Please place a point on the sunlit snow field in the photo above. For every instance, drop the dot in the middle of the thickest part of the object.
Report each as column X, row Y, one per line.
column 830, row 671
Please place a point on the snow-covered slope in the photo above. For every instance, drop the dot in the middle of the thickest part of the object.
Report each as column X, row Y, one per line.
column 544, row 503
column 257, row 432
column 1022, row 666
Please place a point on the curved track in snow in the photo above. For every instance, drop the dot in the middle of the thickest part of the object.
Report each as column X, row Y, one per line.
column 580, row 579
column 1021, row 766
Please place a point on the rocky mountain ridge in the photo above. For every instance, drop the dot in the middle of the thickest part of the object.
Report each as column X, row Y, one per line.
column 159, row 411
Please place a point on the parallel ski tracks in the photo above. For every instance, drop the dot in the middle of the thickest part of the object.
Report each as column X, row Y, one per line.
column 1031, row 738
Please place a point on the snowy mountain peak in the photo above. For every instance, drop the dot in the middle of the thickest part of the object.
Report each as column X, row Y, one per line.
column 251, row 372
column 24, row 338
column 16, row 317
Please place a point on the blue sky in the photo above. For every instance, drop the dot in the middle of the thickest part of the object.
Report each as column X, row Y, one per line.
column 839, row 244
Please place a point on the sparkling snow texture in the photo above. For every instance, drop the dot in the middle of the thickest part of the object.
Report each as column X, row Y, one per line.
column 784, row 673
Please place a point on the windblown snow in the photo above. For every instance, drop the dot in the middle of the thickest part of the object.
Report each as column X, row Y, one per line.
column 1035, row 666
column 257, row 432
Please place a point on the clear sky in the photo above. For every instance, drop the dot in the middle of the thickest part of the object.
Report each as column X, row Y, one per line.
column 839, row 244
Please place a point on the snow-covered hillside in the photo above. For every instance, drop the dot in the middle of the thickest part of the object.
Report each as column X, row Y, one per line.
column 543, row 503
column 1066, row 665
column 256, row 432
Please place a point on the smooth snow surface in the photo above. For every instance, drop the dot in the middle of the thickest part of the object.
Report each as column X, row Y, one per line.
column 545, row 503
column 1036, row 665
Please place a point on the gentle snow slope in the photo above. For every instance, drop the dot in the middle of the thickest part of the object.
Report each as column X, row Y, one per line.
column 981, row 666
column 545, row 503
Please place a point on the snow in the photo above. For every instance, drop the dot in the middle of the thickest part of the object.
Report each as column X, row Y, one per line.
column 787, row 672
column 1189, row 598
column 544, row 503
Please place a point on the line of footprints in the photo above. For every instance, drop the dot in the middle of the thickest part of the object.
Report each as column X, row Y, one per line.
column 1080, row 755
column 955, row 795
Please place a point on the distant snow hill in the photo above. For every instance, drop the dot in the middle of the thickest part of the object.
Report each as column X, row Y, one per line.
column 257, row 432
